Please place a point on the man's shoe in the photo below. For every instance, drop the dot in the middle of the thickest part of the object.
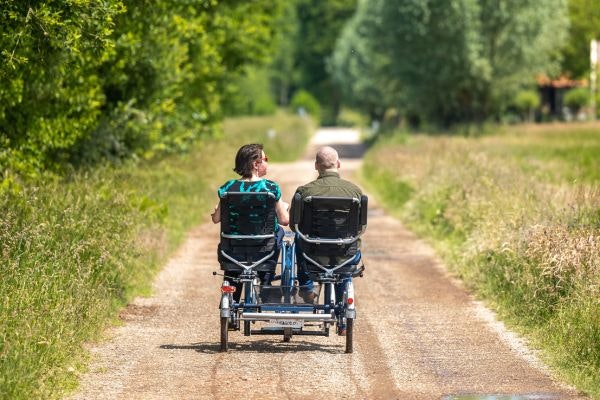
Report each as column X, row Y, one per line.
column 342, row 331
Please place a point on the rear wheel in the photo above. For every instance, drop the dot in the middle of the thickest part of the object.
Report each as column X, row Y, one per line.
column 246, row 328
column 224, row 333
column 349, row 334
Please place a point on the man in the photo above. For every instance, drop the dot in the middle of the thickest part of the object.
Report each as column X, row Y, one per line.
column 328, row 184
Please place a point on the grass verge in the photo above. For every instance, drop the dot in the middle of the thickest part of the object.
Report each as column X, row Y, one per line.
column 517, row 216
column 76, row 249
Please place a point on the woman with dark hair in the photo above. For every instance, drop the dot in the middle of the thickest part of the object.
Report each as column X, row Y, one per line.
column 251, row 164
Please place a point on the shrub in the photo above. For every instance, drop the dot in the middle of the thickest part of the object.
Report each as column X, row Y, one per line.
column 576, row 99
column 349, row 117
column 526, row 102
column 303, row 100
column 250, row 94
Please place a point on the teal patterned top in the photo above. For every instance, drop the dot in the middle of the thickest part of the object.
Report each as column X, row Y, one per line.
column 263, row 185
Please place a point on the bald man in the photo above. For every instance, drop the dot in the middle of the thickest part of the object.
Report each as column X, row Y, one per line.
column 328, row 184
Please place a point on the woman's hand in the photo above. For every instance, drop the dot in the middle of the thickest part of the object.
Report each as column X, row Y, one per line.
column 216, row 214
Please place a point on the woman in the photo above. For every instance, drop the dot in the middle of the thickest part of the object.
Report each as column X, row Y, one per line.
column 251, row 164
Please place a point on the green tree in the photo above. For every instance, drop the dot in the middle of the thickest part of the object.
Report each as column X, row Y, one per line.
column 463, row 60
column 282, row 68
column 320, row 23
column 50, row 91
column 359, row 70
column 522, row 39
column 85, row 80
column 250, row 94
column 174, row 62
column 585, row 26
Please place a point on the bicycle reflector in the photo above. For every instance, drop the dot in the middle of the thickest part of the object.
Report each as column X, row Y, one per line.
column 228, row 289
column 350, row 300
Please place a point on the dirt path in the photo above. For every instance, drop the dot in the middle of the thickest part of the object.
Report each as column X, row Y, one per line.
column 418, row 334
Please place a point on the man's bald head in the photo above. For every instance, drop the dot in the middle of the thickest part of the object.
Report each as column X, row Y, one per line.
column 327, row 158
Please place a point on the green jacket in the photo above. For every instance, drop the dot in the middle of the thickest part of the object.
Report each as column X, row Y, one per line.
column 328, row 184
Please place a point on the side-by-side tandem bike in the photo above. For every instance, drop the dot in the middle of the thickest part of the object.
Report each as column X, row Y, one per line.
column 324, row 247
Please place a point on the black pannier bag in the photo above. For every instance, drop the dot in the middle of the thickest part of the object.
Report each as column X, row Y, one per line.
column 247, row 230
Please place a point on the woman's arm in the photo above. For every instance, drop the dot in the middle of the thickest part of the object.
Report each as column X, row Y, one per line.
column 281, row 207
column 216, row 215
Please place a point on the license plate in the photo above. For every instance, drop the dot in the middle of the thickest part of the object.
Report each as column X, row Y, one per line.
column 288, row 323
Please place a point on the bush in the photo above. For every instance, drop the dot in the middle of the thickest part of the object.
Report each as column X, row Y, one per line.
column 576, row 99
column 303, row 100
column 526, row 102
column 250, row 94
column 349, row 117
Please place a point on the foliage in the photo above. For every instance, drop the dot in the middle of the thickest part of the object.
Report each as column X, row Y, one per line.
column 359, row 69
column 50, row 92
column 305, row 101
column 88, row 80
column 585, row 26
column 526, row 102
column 352, row 117
column 76, row 249
column 458, row 61
column 576, row 99
column 250, row 94
column 516, row 216
column 282, row 70
column 320, row 23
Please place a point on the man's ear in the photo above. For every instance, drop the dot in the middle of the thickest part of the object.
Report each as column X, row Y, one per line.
column 316, row 166
column 338, row 164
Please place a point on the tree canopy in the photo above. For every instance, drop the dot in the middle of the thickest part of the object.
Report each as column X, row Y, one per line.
column 85, row 80
column 585, row 26
column 459, row 60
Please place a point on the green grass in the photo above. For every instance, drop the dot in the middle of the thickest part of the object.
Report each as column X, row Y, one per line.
column 516, row 215
column 75, row 249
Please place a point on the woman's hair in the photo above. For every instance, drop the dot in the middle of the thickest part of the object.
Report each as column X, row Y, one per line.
column 244, row 158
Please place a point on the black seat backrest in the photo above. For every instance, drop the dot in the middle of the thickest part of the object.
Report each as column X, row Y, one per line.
column 330, row 218
column 247, row 227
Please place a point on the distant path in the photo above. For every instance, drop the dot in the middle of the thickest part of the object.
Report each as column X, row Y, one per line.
column 418, row 334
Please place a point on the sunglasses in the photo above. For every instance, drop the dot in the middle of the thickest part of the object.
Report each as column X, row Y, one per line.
column 265, row 159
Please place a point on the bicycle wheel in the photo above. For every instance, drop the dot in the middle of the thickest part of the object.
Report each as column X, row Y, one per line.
column 349, row 334
column 224, row 333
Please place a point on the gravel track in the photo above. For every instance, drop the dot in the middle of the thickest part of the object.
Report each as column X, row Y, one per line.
column 418, row 333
